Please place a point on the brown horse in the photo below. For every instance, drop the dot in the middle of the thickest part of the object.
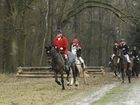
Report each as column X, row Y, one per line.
column 125, row 67
column 135, row 71
column 115, row 66
column 58, row 65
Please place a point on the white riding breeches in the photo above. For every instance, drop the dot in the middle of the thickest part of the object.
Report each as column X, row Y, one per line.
column 112, row 56
column 127, row 58
column 82, row 61
column 66, row 56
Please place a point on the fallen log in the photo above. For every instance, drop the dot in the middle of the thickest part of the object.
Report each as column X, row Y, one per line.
column 34, row 68
column 47, row 72
column 94, row 67
column 37, row 76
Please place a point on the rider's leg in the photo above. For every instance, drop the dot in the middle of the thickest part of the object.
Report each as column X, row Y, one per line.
column 111, row 58
column 128, row 60
column 82, row 62
column 113, row 55
column 118, row 60
column 66, row 62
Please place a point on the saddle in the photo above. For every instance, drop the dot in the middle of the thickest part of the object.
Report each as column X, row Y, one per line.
column 71, row 59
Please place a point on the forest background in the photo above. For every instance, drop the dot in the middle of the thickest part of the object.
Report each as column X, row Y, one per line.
column 27, row 26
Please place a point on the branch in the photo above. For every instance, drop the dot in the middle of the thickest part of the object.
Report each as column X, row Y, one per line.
column 76, row 9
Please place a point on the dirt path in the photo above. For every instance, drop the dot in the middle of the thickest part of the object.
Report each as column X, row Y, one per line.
column 102, row 90
column 123, row 94
column 88, row 97
column 110, row 94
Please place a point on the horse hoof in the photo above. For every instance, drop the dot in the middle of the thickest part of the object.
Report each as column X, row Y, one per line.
column 58, row 82
column 68, row 83
column 76, row 85
column 122, row 81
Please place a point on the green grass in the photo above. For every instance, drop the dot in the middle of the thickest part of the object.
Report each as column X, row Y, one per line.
column 113, row 95
column 31, row 91
column 40, row 91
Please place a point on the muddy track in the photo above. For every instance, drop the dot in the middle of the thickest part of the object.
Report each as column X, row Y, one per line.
column 101, row 90
column 116, row 93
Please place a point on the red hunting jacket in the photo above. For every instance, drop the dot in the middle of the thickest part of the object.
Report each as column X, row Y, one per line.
column 62, row 42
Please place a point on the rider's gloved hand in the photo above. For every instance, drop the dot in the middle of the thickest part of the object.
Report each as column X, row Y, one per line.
column 55, row 47
column 61, row 48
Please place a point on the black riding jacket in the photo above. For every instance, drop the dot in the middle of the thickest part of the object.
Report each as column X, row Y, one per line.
column 134, row 53
column 125, row 49
column 79, row 51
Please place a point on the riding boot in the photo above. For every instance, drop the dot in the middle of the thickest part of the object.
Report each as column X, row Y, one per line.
column 82, row 65
column 128, row 65
column 66, row 65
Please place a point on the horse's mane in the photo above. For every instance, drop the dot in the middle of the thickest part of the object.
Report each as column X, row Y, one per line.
column 56, row 56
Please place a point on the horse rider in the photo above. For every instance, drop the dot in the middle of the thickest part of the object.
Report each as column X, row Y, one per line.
column 134, row 52
column 115, row 48
column 61, row 44
column 125, row 49
column 76, row 50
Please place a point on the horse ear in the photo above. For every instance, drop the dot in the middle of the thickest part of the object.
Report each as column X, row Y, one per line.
column 53, row 46
column 50, row 47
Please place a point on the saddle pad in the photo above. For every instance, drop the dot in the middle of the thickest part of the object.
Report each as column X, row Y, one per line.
column 72, row 57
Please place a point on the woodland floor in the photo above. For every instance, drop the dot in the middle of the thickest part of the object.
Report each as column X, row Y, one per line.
column 44, row 91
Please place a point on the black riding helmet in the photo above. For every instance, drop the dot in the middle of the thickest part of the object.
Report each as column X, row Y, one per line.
column 58, row 31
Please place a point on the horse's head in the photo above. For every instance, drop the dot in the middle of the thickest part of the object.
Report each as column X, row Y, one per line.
column 48, row 50
column 51, row 51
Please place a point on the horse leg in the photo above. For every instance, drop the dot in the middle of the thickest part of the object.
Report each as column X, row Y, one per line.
column 84, row 76
column 129, row 72
column 56, row 79
column 123, row 74
column 62, row 81
column 133, row 72
column 115, row 72
column 137, row 72
column 72, row 77
column 129, row 75
column 68, row 82
column 75, row 74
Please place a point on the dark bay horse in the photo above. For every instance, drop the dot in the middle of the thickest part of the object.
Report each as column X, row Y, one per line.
column 114, row 63
column 58, row 65
column 125, row 67
column 135, row 71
